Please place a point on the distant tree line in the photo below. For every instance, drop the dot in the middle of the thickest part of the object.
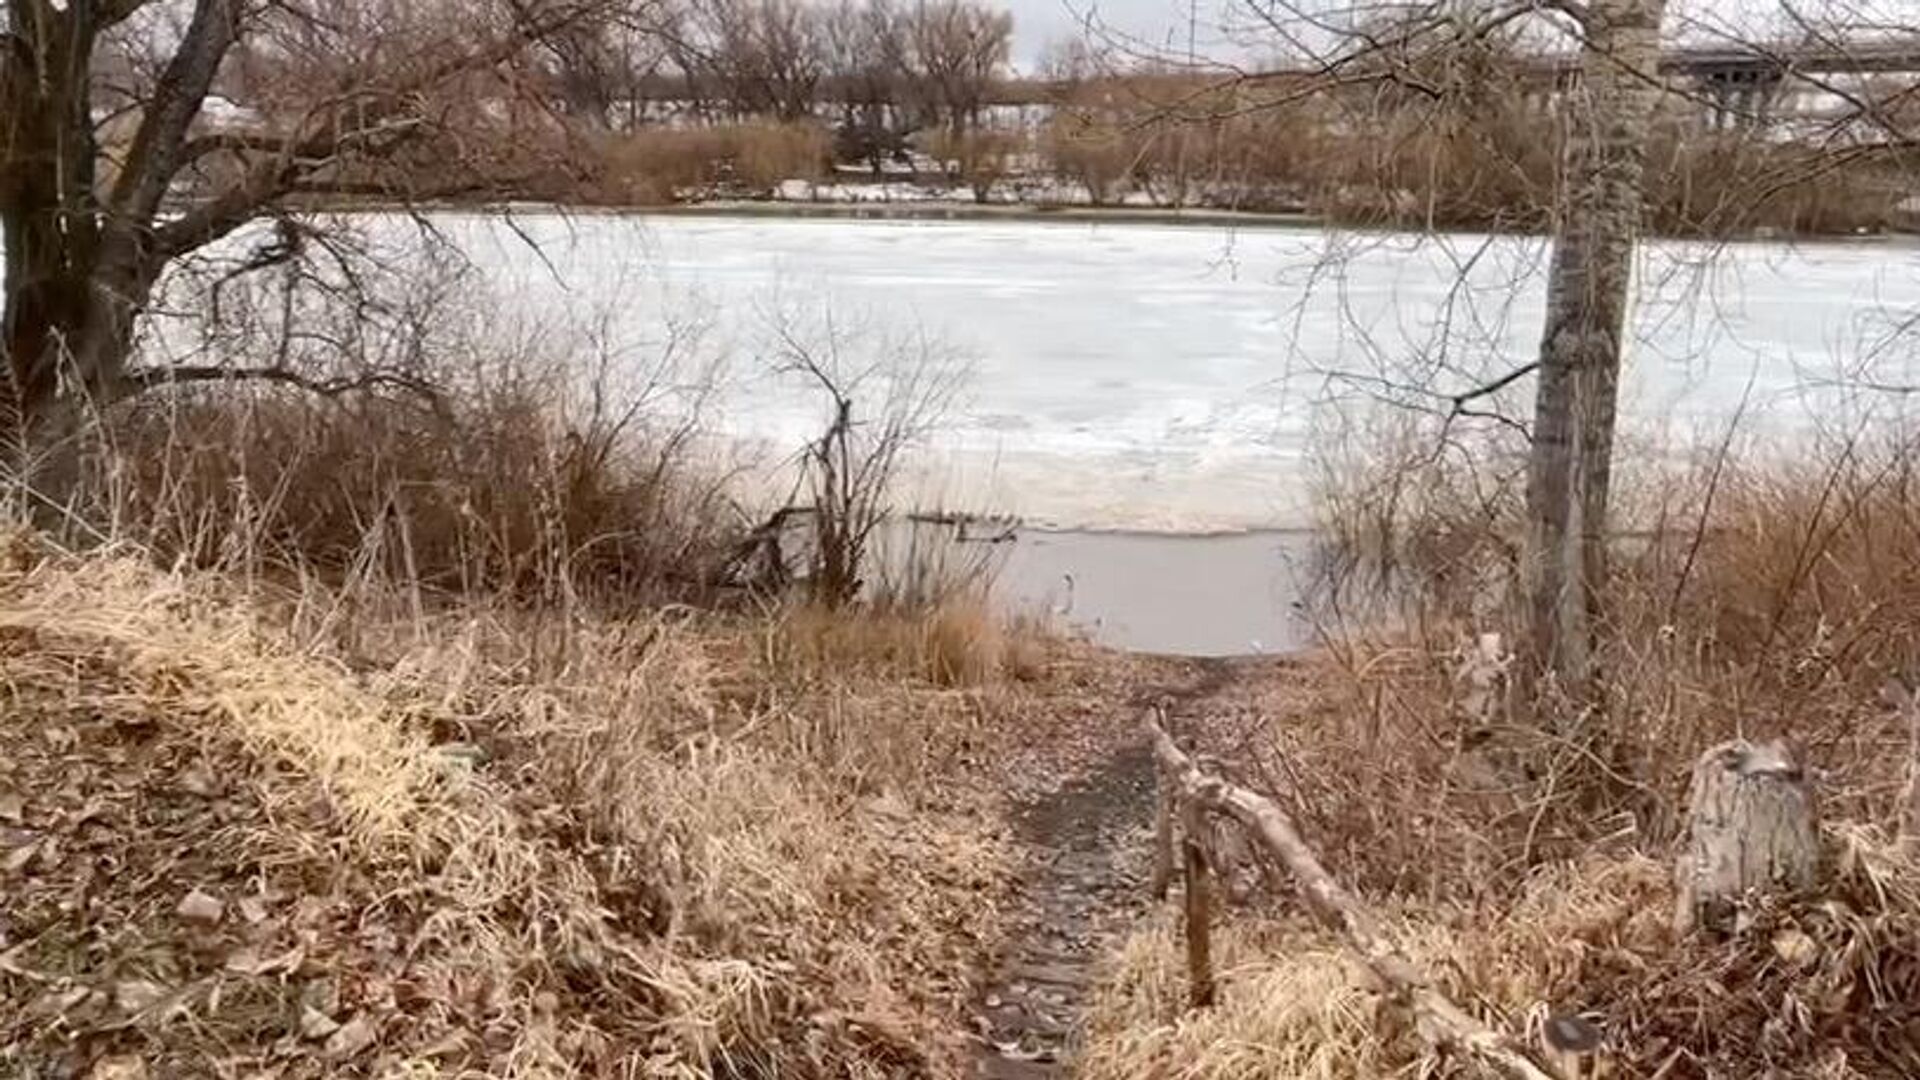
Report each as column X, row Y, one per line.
column 646, row 101
column 875, row 71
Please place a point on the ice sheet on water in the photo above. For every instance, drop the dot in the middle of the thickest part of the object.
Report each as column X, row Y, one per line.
column 1179, row 377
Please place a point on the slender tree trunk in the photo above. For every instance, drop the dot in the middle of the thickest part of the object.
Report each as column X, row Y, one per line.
column 1570, row 472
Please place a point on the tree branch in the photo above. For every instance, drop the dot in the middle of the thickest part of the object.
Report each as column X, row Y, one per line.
column 1460, row 400
column 142, row 380
column 381, row 126
column 110, row 13
column 154, row 157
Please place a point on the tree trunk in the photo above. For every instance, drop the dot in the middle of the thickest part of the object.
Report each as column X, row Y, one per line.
column 1163, row 812
column 66, row 328
column 1752, row 833
column 75, row 275
column 1570, row 471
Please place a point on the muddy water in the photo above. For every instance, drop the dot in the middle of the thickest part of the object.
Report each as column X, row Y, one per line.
column 1233, row 594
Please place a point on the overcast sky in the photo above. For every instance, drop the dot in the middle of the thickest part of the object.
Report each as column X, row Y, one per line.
column 1163, row 24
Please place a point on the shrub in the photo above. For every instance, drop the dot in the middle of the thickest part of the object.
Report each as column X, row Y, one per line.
column 661, row 164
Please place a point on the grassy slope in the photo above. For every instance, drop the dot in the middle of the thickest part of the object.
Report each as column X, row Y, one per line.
column 481, row 845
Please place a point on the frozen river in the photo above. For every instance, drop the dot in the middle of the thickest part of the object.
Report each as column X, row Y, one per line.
column 1176, row 378
column 1158, row 397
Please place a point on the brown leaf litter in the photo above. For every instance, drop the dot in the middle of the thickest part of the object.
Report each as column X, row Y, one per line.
column 228, row 855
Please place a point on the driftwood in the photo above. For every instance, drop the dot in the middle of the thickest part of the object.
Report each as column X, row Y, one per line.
column 1752, row 832
column 1439, row 1019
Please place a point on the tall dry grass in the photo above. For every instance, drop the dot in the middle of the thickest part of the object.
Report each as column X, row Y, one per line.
column 1530, row 869
column 664, row 164
column 1761, row 597
column 410, row 432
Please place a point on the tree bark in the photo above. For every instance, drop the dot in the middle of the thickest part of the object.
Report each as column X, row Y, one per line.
column 1162, row 875
column 1569, row 474
column 76, row 275
column 1752, row 833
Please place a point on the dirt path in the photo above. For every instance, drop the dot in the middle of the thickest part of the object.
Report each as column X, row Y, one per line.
column 1085, row 882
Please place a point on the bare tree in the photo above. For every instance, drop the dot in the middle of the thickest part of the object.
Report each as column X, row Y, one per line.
column 247, row 107
column 1449, row 54
column 867, row 50
column 884, row 397
column 960, row 48
column 1570, row 472
column 601, row 68
column 767, row 56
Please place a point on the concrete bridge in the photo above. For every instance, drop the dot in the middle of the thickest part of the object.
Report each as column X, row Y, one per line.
column 1764, row 85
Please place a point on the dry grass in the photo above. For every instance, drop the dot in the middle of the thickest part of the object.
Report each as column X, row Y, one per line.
column 1305, row 1018
column 1824, row 990
column 664, row 164
column 633, row 853
column 1765, row 600
column 1530, row 870
column 960, row 642
column 499, row 467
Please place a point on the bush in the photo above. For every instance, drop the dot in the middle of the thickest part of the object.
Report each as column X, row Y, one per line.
column 428, row 443
column 662, row 164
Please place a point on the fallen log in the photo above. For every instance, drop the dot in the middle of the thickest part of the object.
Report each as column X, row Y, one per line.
column 1439, row 1019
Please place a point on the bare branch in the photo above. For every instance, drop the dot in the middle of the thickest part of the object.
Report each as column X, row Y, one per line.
column 155, row 154
column 145, row 379
column 1460, row 400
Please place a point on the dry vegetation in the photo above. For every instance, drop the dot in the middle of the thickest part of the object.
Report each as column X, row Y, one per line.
column 474, row 848
column 414, row 731
column 659, row 165
column 1530, row 870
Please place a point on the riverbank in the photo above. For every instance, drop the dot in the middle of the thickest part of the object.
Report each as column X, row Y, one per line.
column 957, row 210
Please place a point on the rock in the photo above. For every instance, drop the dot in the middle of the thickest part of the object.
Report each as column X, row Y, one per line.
column 120, row 1067
column 356, row 1036
column 200, row 907
column 13, row 809
column 253, row 910
column 315, row 1024
column 135, row 995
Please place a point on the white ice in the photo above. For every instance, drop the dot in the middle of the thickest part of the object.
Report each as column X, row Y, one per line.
column 1134, row 376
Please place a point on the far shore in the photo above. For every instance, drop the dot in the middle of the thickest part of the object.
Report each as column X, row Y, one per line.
column 960, row 210
column 1038, row 213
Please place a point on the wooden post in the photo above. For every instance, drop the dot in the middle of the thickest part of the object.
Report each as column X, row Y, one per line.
column 1752, row 832
column 1199, row 914
column 1163, row 811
